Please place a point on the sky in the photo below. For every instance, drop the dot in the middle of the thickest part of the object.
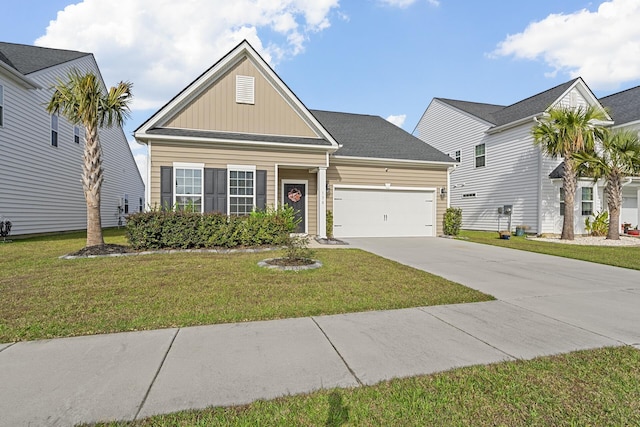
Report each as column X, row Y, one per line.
column 382, row 57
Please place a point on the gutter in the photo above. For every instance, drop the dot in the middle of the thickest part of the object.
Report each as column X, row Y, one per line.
column 19, row 77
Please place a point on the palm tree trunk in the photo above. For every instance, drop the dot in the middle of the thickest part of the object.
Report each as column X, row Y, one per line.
column 569, row 182
column 91, row 183
column 614, row 200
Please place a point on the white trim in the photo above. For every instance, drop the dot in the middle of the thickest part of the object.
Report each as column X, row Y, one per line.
column 19, row 78
column 241, row 168
column 147, row 187
column 2, row 105
column 376, row 161
column 321, row 184
column 306, row 198
column 192, row 166
column 383, row 187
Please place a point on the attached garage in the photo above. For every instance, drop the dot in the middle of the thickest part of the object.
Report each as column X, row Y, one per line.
column 383, row 212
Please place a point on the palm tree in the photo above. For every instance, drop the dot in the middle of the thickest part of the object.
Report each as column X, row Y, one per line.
column 562, row 132
column 618, row 157
column 82, row 101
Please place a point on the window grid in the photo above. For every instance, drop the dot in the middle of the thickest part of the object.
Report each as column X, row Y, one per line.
column 241, row 192
column 587, row 200
column 189, row 189
column 480, row 156
column 457, row 156
column 561, row 201
column 54, row 130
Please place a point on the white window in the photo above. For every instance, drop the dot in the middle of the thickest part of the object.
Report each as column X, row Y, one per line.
column 245, row 90
column 242, row 193
column 76, row 134
column 188, row 187
column 480, row 156
column 125, row 203
column 561, row 201
column 54, row 130
column 587, row 200
column 457, row 156
column 1, row 106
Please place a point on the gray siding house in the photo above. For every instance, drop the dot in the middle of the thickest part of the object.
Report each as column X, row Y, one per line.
column 499, row 165
column 41, row 154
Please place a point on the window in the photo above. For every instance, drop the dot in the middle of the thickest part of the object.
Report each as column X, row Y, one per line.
column 141, row 205
column 76, row 134
column 1, row 106
column 188, row 188
column 561, row 201
column 587, row 200
column 480, row 156
column 241, row 190
column 457, row 156
column 54, row 130
column 125, row 203
column 245, row 90
column 469, row 195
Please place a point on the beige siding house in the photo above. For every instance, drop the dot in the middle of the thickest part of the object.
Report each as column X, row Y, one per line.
column 238, row 138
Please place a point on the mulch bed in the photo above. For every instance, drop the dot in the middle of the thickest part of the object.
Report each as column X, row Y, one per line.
column 290, row 262
column 106, row 249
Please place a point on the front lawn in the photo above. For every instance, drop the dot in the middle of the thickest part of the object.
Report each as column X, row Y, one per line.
column 587, row 388
column 621, row 256
column 46, row 297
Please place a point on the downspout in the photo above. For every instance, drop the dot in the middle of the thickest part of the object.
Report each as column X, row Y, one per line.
column 539, row 208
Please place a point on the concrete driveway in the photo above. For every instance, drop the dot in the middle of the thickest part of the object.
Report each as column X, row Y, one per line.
column 594, row 297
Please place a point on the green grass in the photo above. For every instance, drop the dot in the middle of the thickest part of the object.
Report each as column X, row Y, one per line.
column 621, row 256
column 46, row 297
column 587, row 388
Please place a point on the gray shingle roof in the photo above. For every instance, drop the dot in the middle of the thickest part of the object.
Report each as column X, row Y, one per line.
column 624, row 106
column 193, row 133
column 558, row 172
column 478, row 109
column 374, row 137
column 29, row 59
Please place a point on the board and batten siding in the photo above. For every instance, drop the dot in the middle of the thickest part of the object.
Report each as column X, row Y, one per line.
column 166, row 153
column 342, row 173
column 216, row 109
column 40, row 185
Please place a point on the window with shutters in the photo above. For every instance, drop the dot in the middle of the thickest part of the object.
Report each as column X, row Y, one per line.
column 54, row 130
column 188, row 187
column 245, row 90
column 242, row 194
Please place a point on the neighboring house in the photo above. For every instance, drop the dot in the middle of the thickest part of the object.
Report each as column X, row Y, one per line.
column 41, row 154
column 238, row 138
column 500, row 165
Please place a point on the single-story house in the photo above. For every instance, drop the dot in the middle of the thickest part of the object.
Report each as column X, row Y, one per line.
column 237, row 138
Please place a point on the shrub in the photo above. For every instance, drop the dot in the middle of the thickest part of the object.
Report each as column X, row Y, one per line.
column 452, row 221
column 297, row 249
column 599, row 225
column 185, row 230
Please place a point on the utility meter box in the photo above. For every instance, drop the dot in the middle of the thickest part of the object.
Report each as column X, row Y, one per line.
column 507, row 209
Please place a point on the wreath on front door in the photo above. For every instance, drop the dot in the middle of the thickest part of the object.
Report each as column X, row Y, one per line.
column 294, row 195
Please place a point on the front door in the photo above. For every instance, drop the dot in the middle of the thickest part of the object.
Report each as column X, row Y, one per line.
column 295, row 195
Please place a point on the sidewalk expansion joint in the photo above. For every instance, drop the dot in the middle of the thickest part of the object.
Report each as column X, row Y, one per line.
column 351, row 371
column 164, row 358
column 467, row 333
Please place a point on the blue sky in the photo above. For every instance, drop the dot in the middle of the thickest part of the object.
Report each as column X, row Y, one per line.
column 381, row 57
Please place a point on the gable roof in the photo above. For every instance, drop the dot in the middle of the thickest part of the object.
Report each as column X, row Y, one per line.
column 29, row 59
column 624, row 106
column 477, row 109
column 366, row 136
column 154, row 125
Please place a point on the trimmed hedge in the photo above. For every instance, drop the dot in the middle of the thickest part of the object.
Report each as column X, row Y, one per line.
column 452, row 221
column 188, row 230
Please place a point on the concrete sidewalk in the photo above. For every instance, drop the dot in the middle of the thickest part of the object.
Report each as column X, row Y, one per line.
column 132, row 375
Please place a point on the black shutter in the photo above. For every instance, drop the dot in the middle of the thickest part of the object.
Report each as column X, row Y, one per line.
column 215, row 190
column 166, row 187
column 261, row 189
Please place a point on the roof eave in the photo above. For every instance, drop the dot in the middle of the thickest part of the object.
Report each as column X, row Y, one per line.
column 501, row 128
column 378, row 161
column 20, row 78
column 144, row 138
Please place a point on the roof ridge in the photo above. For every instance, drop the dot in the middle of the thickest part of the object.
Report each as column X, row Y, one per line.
column 619, row 93
column 545, row 91
column 44, row 47
column 344, row 112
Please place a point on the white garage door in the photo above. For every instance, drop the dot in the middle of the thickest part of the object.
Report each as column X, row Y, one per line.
column 382, row 213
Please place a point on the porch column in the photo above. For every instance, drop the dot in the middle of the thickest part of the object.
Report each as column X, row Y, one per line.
column 322, row 202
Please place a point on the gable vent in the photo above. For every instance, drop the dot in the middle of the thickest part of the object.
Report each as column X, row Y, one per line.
column 245, row 90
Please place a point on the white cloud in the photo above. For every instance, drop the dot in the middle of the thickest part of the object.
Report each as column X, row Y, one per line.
column 162, row 45
column 397, row 120
column 406, row 3
column 601, row 46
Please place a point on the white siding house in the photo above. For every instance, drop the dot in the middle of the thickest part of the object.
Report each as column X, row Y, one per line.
column 41, row 155
column 500, row 165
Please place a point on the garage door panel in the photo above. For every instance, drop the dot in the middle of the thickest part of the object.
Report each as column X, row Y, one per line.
column 383, row 213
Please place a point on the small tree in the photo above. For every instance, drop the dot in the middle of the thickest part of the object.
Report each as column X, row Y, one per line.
column 452, row 221
column 562, row 132
column 82, row 101
column 617, row 157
